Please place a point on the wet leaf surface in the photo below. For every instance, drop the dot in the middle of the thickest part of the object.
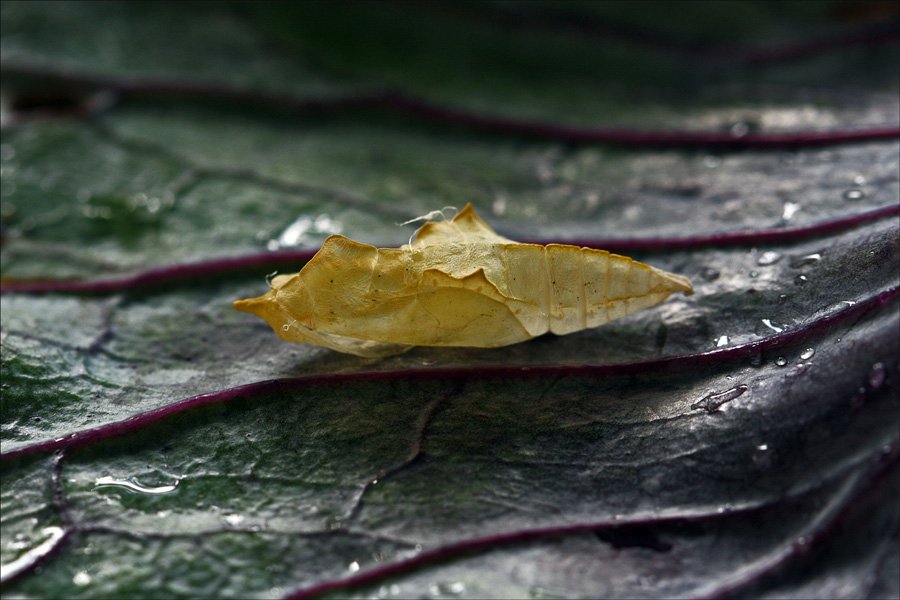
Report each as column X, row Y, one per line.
column 742, row 442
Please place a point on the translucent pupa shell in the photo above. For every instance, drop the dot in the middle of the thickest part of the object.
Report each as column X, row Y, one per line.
column 457, row 284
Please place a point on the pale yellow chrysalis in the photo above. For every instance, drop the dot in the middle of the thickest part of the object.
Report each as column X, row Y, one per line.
column 457, row 284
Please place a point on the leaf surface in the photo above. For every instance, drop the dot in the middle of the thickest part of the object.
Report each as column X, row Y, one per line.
column 742, row 442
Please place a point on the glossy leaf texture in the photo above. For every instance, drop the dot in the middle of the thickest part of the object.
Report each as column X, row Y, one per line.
column 740, row 442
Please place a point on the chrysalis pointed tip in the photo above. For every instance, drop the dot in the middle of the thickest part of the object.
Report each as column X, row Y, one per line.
column 249, row 305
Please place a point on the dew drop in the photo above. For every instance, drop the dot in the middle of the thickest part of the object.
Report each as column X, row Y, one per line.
column 781, row 361
column 722, row 341
column 134, row 487
column 808, row 353
column 854, row 194
column 762, row 456
column 81, row 579
column 712, row 402
column 709, row 274
column 877, row 375
column 782, row 298
column 293, row 233
column 353, row 567
column 451, row 589
column 790, row 209
column 801, row 280
column 768, row 258
column 712, row 161
column 739, row 130
column 234, row 520
column 806, row 260
column 754, row 274
column 799, row 370
column 775, row 328
column 859, row 180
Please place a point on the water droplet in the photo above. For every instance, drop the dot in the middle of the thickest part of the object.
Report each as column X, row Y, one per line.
column 234, row 520
column 762, row 456
column 774, row 328
column 450, row 589
column 754, row 274
column 709, row 274
column 782, row 298
column 790, row 209
column 877, row 375
column 712, row 402
column 295, row 234
column 854, row 194
column 801, row 280
column 808, row 353
column 81, row 578
column 802, row 540
column 722, row 341
column 739, row 130
column 353, row 567
column 768, row 258
column 805, row 260
column 859, row 180
column 27, row 559
column 781, row 361
column 418, row 547
column 712, row 161
column 134, row 487
column 394, row 589
column 499, row 206
column 798, row 370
